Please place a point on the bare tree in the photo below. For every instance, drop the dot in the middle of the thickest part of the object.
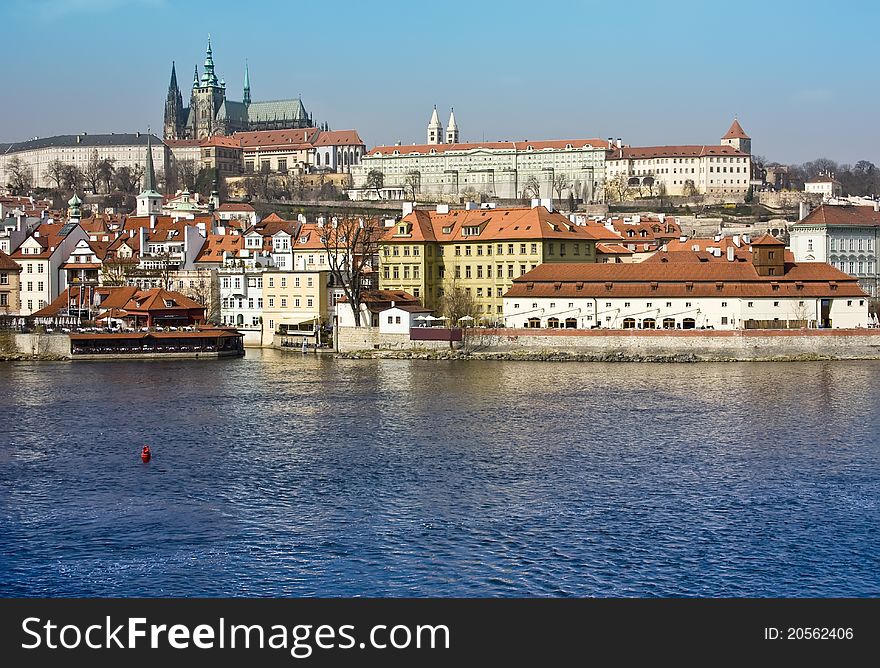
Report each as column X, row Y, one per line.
column 128, row 178
column 531, row 189
column 689, row 189
column 457, row 303
column 618, row 187
column 55, row 171
column 560, row 183
column 20, row 176
column 376, row 181
column 72, row 178
column 92, row 172
column 648, row 182
column 352, row 247
column 411, row 185
column 106, row 171
column 186, row 173
column 116, row 271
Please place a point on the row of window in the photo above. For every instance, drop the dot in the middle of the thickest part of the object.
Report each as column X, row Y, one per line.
column 238, row 320
column 253, row 282
column 282, row 302
column 854, row 244
column 40, row 286
column 855, row 268
column 30, row 304
column 229, row 302
column 29, row 268
column 310, row 281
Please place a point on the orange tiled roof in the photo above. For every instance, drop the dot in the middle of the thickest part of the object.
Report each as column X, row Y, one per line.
column 218, row 244
column 7, row 263
column 689, row 151
column 338, row 138
column 845, row 216
column 495, row 225
column 427, row 149
column 276, row 138
column 736, row 131
column 809, row 279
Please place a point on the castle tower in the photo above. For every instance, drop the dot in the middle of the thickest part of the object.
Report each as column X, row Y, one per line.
column 737, row 138
column 768, row 256
column 246, row 98
column 207, row 96
column 174, row 120
column 435, row 130
column 149, row 202
column 451, row 129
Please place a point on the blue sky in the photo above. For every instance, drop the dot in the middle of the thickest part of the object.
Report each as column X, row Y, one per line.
column 800, row 76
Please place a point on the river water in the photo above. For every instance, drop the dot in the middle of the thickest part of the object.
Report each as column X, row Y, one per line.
column 287, row 475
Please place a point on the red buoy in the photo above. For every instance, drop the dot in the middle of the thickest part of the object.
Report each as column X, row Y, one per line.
column 146, row 455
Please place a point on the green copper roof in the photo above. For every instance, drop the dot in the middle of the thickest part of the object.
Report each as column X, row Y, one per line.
column 291, row 110
column 149, row 172
column 74, row 201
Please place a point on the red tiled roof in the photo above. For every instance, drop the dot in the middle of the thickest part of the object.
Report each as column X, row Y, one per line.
column 613, row 249
column 809, row 279
column 691, row 151
column 426, row 149
column 236, row 206
column 276, row 138
column 338, row 138
column 767, row 240
column 7, row 263
column 847, row 216
column 736, row 131
column 495, row 225
column 219, row 140
column 218, row 244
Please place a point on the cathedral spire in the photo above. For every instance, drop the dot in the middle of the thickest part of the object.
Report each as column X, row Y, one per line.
column 435, row 130
column 149, row 202
column 247, row 85
column 209, row 76
column 149, row 172
column 196, row 78
column 173, row 84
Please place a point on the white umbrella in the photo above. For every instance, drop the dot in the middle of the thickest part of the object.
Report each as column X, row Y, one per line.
column 423, row 317
column 465, row 317
column 442, row 317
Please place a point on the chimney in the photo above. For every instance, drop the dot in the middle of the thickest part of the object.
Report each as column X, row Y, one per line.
column 610, row 142
column 393, row 303
column 716, row 251
column 442, row 208
column 152, row 221
column 619, row 143
column 876, row 205
column 804, row 210
column 747, row 238
column 736, row 240
column 682, row 238
column 730, row 253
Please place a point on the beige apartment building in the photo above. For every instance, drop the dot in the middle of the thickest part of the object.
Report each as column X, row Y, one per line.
column 295, row 305
column 481, row 251
column 10, row 272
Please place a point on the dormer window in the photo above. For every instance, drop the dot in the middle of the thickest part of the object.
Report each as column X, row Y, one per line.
column 447, row 229
column 169, row 303
column 470, row 231
column 689, row 286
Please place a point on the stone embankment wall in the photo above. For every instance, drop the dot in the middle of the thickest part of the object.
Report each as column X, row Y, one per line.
column 369, row 338
column 635, row 345
column 15, row 346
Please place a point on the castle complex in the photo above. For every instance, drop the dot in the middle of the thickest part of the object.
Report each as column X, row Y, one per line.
column 210, row 113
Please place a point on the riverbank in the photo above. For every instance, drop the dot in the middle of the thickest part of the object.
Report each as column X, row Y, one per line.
column 603, row 345
column 27, row 357
column 559, row 356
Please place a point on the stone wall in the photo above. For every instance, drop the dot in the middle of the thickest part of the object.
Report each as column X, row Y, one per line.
column 698, row 344
column 47, row 346
column 787, row 199
column 368, row 338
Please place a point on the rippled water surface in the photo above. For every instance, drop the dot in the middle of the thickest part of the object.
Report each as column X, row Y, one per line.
column 279, row 475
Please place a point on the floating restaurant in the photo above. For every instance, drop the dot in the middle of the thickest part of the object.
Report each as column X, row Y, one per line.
column 202, row 343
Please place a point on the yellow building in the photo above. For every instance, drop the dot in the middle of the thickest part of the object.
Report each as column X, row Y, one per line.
column 480, row 250
column 295, row 305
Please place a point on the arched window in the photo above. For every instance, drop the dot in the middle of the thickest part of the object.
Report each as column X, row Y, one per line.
column 534, row 323
column 629, row 323
column 668, row 323
column 318, row 159
column 553, row 323
column 571, row 323
column 688, row 323
column 239, row 320
column 649, row 323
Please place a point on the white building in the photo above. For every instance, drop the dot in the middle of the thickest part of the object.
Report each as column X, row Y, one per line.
column 724, row 169
column 41, row 256
column 765, row 293
column 502, row 169
column 824, row 185
column 399, row 319
column 127, row 150
column 846, row 237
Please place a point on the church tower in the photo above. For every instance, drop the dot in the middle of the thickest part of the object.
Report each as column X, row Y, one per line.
column 451, row 129
column 149, row 202
column 435, row 130
column 737, row 138
column 174, row 120
column 207, row 96
column 246, row 99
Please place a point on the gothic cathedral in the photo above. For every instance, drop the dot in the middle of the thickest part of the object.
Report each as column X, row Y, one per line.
column 210, row 113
